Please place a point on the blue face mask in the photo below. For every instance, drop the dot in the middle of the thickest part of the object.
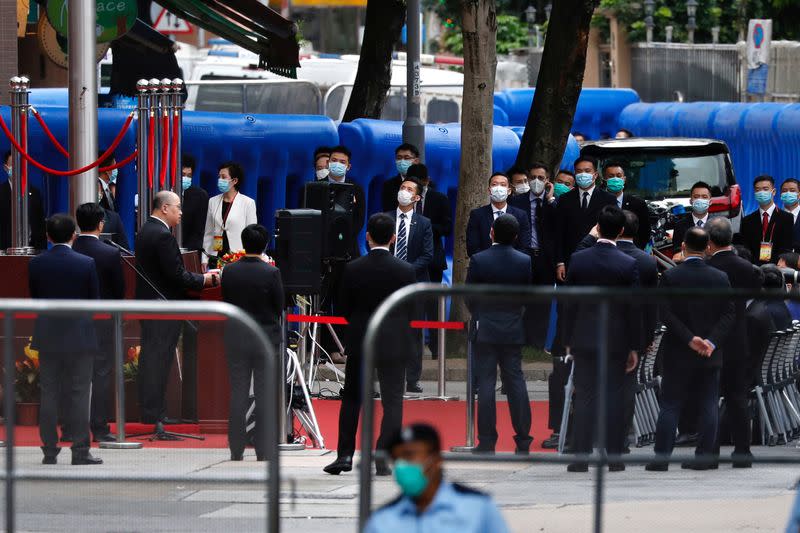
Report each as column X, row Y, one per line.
column 559, row 189
column 112, row 178
column 410, row 477
column 10, row 171
column 403, row 165
column 615, row 184
column 223, row 185
column 186, row 182
column 337, row 169
column 789, row 198
column 584, row 180
column 763, row 197
column 700, row 206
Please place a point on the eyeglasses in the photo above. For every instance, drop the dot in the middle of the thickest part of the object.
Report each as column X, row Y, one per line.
column 174, row 205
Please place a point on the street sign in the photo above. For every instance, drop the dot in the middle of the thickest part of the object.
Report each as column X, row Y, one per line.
column 759, row 39
column 115, row 18
column 168, row 23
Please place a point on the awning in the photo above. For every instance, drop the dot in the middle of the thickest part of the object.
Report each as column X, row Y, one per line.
column 249, row 24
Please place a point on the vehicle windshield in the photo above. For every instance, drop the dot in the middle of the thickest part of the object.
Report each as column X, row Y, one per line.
column 273, row 98
column 656, row 174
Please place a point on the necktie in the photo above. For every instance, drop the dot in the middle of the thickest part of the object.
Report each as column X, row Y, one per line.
column 535, row 218
column 585, row 202
column 400, row 250
column 699, row 223
column 764, row 225
column 497, row 214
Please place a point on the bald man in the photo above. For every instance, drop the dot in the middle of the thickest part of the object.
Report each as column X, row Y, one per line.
column 159, row 259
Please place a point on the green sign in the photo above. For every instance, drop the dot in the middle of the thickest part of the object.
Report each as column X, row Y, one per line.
column 115, row 18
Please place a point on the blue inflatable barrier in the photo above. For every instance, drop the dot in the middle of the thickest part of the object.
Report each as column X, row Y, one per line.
column 500, row 117
column 571, row 152
column 787, row 127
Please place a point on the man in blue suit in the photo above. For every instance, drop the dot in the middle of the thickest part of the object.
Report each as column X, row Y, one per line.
column 90, row 217
column 66, row 345
column 414, row 245
column 481, row 219
column 604, row 264
column 500, row 335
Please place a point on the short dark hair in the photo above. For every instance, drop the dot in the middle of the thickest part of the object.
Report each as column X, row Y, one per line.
column 631, row 227
column 255, row 238
column 415, row 181
column 586, row 159
column 791, row 259
column 236, row 172
column 89, row 216
column 321, row 151
column 626, row 131
column 610, row 164
column 108, row 160
column 341, row 149
column 188, row 160
column 764, row 177
column 506, row 229
column 417, row 170
column 539, row 164
column 499, row 174
column 696, row 239
column 743, row 252
column 773, row 277
column 610, row 221
column 791, row 180
column 566, row 171
column 516, row 170
column 407, row 146
column 60, row 228
column 6, row 155
column 719, row 231
column 380, row 227
column 417, row 433
column 700, row 185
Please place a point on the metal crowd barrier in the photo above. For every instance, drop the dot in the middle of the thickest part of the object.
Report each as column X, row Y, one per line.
column 781, row 397
column 117, row 310
column 776, row 392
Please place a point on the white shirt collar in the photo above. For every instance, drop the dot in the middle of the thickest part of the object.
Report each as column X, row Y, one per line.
column 794, row 212
column 167, row 225
column 704, row 218
column 68, row 245
column 380, row 248
column 769, row 210
column 619, row 199
column 408, row 215
column 503, row 209
column 621, row 239
column 89, row 235
column 590, row 191
column 607, row 241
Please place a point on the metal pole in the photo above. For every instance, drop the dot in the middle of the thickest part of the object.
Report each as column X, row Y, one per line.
column 165, row 98
column 9, row 404
column 143, row 209
column 24, row 227
column 119, row 363
column 286, row 418
column 82, row 101
column 602, row 392
column 155, row 89
column 413, row 128
column 442, row 385
column 177, row 106
column 470, row 437
column 16, row 169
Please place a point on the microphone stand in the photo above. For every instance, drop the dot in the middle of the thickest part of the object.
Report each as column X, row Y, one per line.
column 158, row 433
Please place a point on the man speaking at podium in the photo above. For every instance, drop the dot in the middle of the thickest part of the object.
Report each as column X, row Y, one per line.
column 163, row 276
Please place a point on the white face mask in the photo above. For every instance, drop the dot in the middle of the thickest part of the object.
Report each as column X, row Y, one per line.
column 499, row 193
column 522, row 188
column 322, row 173
column 404, row 198
column 537, row 186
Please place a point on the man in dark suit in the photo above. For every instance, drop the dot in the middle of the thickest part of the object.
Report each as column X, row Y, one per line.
column 112, row 223
column 699, row 202
column 435, row 206
column 108, row 262
column 195, row 206
column 107, row 183
column 405, row 156
column 339, row 165
column 692, row 344
column 790, row 199
column 366, row 283
column 66, row 345
column 500, row 335
column 767, row 232
column 602, row 265
column 414, row 245
column 256, row 287
column 577, row 212
column 481, row 218
column 38, row 239
column 765, row 317
column 615, row 180
column 159, row 259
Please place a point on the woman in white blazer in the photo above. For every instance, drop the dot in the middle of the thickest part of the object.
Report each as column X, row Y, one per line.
column 228, row 214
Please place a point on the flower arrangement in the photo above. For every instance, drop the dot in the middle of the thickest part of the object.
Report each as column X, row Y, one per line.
column 232, row 257
column 26, row 383
column 130, row 368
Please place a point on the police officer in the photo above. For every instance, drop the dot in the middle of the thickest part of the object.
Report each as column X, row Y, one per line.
column 427, row 502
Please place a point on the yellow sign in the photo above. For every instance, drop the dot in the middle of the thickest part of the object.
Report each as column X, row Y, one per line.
column 329, row 3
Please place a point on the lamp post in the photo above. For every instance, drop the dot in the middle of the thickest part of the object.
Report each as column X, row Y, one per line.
column 530, row 17
column 691, row 11
column 715, row 35
column 668, row 31
column 649, row 8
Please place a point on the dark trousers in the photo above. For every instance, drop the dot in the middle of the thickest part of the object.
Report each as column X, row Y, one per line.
column 391, row 380
column 586, row 395
column 629, row 402
column 73, row 371
column 556, row 382
column 242, row 366
column 537, row 313
column 735, row 385
column 159, row 340
column 675, row 386
column 509, row 358
column 432, row 313
column 102, row 372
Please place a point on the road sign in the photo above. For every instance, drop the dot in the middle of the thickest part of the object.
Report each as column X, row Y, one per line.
column 168, row 23
column 115, row 18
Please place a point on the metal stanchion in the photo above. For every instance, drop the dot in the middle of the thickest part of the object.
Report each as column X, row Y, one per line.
column 177, row 165
column 441, row 348
column 155, row 89
column 286, row 417
column 20, row 230
column 165, row 112
column 602, row 399
column 145, row 195
column 119, row 362
column 470, row 437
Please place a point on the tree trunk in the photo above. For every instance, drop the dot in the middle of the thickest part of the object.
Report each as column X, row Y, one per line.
column 479, row 29
column 559, row 84
column 385, row 19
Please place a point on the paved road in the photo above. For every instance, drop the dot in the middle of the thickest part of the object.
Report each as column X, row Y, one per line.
column 532, row 497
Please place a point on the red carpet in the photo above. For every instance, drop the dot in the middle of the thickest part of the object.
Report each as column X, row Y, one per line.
column 447, row 417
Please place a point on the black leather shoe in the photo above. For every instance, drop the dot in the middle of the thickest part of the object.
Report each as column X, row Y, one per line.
column 522, row 451
column 578, row 467
column 341, row 464
column 552, row 442
column 382, row 468
column 616, row 467
column 261, row 457
column 483, row 450
column 742, row 460
column 657, row 467
column 86, row 459
column 686, row 439
column 699, row 466
column 50, row 460
column 413, row 387
column 237, row 456
column 106, row 437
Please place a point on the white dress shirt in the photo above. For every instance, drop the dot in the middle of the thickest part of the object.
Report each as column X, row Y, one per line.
column 794, row 212
column 407, row 223
column 242, row 213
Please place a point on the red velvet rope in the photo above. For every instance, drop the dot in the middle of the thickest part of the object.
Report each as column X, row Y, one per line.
column 151, row 141
column 176, row 124
column 49, row 134
column 162, row 175
column 120, row 163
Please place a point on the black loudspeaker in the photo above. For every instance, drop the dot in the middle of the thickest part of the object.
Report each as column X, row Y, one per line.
column 297, row 249
column 335, row 201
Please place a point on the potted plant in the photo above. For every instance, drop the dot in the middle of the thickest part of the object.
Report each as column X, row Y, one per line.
column 26, row 387
column 130, row 372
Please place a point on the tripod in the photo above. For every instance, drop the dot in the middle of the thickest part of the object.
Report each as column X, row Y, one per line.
column 310, row 348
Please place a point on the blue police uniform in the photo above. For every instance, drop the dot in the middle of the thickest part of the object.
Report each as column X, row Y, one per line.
column 454, row 509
